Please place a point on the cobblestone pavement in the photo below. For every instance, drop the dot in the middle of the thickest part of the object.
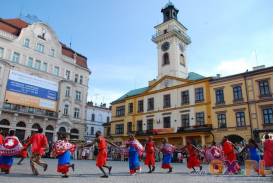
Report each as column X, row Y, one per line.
column 86, row 171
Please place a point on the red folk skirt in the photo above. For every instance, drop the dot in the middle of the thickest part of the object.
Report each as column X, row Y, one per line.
column 101, row 158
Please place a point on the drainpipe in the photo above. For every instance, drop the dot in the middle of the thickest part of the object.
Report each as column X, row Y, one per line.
column 249, row 112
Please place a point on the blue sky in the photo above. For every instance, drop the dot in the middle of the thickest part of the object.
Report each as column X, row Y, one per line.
column 227, row 36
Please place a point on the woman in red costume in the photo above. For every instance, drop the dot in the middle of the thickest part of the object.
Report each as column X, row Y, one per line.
column 150, row 149
column 230, row 156
column 268, row 151
column 193, row 159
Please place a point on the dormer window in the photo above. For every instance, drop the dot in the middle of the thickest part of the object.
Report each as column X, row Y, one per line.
column 26, row 43
column 40, row 47
column 165, row 59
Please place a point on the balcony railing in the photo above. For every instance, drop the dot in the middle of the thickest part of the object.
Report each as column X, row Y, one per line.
column 205, row 127
column 29, row 110
column 175, row 30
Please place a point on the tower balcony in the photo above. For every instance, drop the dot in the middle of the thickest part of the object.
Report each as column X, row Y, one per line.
column 171, row 31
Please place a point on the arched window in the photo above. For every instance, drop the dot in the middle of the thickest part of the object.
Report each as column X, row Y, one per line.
column 5, row 122
column 62, row 130
column 21, row 124
column 74, row 134
column 36, row 126
column 182, row 60
column 165, row 59
column 49, row 128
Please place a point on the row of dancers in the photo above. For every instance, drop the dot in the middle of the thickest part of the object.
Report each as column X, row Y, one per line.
column 63, row 149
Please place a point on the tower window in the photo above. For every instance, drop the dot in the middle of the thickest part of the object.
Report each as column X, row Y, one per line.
column 182, row 60
column 165, row 60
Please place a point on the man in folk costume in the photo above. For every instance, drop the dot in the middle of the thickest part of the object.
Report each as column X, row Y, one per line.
column 150, row 149
column 101, row 158
column 268, row 151
column 230, row 156
column 135, row 150
column 39, row 144
column 8, row 150
column 167, row 151
column 192, row 159
column 63, row 150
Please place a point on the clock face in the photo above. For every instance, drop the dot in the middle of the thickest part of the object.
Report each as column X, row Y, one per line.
column 181, row 47
column 165, row 46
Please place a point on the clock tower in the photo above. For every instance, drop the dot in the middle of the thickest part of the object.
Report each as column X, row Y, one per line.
column 171, row 40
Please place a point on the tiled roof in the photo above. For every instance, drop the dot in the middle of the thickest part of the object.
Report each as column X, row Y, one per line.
column 191, row 76
column 131, row 93
column 194, row 76
column 14, row 27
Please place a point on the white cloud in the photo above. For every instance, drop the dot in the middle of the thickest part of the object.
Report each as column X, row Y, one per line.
column 228, row 67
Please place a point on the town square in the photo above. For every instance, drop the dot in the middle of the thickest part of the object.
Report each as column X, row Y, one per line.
column 140, row 91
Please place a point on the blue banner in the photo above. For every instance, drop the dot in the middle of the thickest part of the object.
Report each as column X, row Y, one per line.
column 31, row 90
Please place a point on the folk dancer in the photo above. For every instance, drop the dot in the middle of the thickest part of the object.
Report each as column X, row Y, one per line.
column 101, row 159
column 135, row 150
column 39, row 144
column 63, row 150
column 230, row 157
column 150, row 150
column 8, row 150
column 167, row 151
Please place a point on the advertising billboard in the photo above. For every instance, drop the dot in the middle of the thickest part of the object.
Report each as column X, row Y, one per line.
column 32, row 91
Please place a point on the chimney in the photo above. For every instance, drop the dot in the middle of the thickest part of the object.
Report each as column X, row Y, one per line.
column 258, row 67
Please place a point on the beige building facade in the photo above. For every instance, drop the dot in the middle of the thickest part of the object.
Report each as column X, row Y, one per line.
column 43, row 82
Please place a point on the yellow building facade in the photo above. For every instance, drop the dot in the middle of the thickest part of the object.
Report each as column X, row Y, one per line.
column 242, row 105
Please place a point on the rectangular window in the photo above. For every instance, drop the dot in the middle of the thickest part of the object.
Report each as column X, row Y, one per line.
column 44, row 67
column 184, row 97
column 76, row 112
column 92, row 130
column 66, row 110
column 67, row 91
column 30, row 62
column 37, row 64
column 199, row 97
column 150, row 104
column 1, row 52
column 52, row 52
column 120, row 111
column 200, row 118
column 78, row 95
column 130, row 108
column 240, row 119
column 40, row 47
column 237, row 93
column 140, row 106
column 268, row 115
column 129, row 127
column 264, row 88
column 81, row 79
column 68, row 75
column 56, row 70
column 221, row 120
column 219, row 96
column 93, row 117
column 167, row 122
column 15, row 57
column 26, row 43
column 166, row 101
column 150, row 124
column 185, row 120
column 139, row 126
column 76, row 78
column 119, row 128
